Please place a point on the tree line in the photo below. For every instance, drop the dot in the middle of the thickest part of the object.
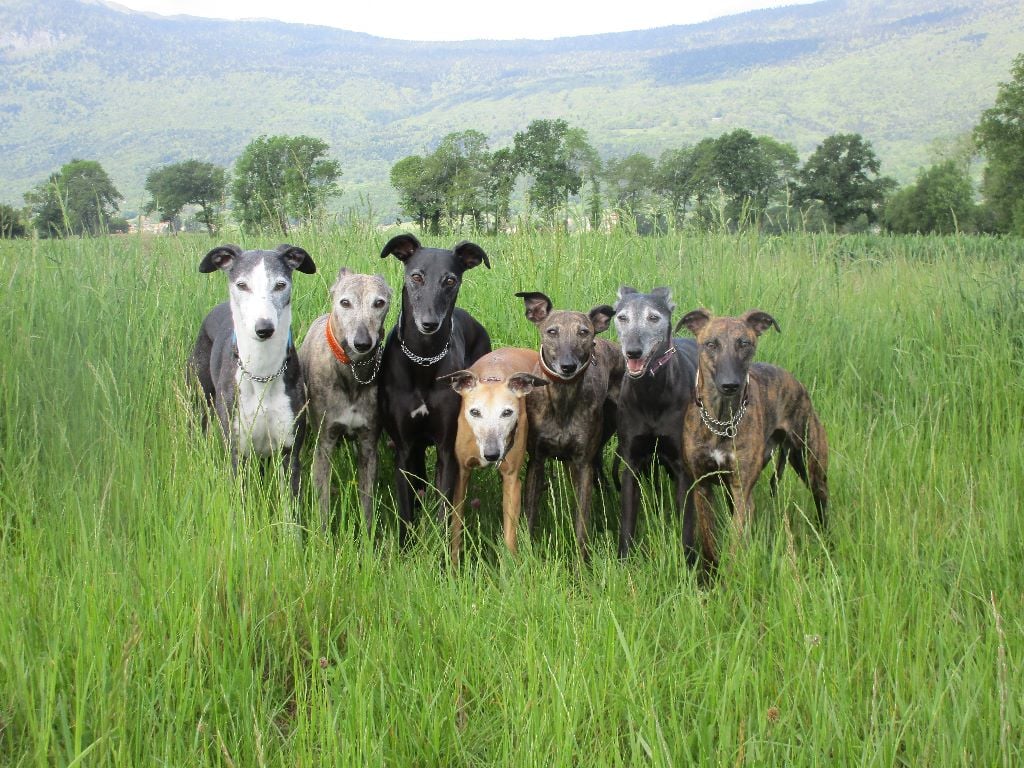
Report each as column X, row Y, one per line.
column 733, row 181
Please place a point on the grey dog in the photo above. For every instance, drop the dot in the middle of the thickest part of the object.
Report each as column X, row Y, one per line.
column 341, row 357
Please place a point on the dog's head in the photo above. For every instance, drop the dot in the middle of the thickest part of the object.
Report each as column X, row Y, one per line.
column 644, row 324
column 432, row 277
column 259, row 285
column 726, row 345
column 359, row 306
column 567, row 338
column 491, row 408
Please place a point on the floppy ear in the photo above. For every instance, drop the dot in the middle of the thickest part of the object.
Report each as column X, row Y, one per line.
column 401, row 247
column 538, row 306
column 694, row 321
column 471, row 255
column 665, row 294
column 220, row 257
column 601, row 317
column 760, row 321
column 522, row 384
column 460, row 381
column 297, row 258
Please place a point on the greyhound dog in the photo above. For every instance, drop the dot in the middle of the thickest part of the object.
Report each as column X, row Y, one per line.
column 431, row 338
column 573, row 416
column 742, row 412
column 656, row 391
column 244, row 358
column 341, row 357
column 493, row 429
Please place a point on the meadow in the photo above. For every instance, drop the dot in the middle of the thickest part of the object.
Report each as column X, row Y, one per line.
column 157, row 610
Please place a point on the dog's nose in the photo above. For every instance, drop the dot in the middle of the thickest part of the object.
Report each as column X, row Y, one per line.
column 362, row 346
column 429, row 326
column 492, row 455
column 264, row 329
column 729, row 387
column 568, row 368
column 634, row 354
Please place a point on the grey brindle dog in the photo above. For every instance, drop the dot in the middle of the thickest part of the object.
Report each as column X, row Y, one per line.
column 571, row 418
column 244, row 359
column 341, row 358
column 656, row 392
column 431, row 339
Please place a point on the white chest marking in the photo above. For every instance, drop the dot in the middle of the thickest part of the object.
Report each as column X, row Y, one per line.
column 264, row 422
column 351, row 418
column 721, row 457
column 421, row 411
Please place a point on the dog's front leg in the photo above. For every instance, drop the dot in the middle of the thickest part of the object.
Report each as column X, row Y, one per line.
column 325, row 446
column 583, row 483
column 458, row 510
column 630, row 499
column 534, row 485
column 366, row 454
column 511, row 503
column 409, row 473
column 704, row 512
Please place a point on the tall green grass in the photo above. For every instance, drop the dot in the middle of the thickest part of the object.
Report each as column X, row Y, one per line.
column 157, row 610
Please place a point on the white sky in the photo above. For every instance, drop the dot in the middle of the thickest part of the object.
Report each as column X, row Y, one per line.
column 465, row 19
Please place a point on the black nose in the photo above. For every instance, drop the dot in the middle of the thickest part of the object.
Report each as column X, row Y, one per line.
column 568, row 368
column 729, row 388
column 430, row 327
column 362, row 346
column 264, row 330
column 634, row 354
column 492, row 455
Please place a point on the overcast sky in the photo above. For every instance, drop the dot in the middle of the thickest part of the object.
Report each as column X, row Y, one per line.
column 465, row 19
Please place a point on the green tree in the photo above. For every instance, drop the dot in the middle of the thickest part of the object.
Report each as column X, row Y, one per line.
column 675, row 182
column 279, row 179
column 458, row 168
column 78, row 199
column 630, row 182
column 1000, row 135
column 842, row 174
column 191, row 182
column 499, row 181
column 940, row 201
column 553, row 157
column 418, row 198
column 11, row 224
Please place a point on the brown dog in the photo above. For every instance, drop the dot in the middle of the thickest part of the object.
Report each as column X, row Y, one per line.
column 574, row 416
column 743, row 412
column 493, row 429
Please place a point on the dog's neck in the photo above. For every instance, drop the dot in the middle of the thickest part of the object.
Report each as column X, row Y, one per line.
column 264, row 358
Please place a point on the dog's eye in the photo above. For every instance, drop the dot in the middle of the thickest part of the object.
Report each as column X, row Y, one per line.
column 743, row 343
column 474, row 412
column 623, row 318
column 346, row 304
column 449, row 281
column 583, row 332
column 551, row 331
column 378, row 303
column 280, row 285
column 653, row 318
column 242, row 285
column 711, row 345
column 507, row 413
column 418, row 279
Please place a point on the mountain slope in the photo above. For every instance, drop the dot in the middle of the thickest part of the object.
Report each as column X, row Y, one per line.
column 134, row 91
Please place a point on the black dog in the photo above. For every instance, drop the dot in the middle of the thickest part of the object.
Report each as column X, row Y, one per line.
column 431, row 339
column 656, row 392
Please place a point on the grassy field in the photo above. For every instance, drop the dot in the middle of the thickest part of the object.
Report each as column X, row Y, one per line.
column 154, row 610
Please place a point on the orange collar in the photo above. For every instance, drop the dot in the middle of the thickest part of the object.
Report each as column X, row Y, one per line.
column 332, row 342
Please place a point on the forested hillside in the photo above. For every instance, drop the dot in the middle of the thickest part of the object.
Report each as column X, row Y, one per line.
column 135, row 91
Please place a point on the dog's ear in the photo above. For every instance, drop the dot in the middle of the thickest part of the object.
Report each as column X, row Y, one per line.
column 297, row 258
column 760, row 321
column 626, row 290
column 342, row 272
column 401, row 247
column 601, row 317
column 471, row 255
column 665, row 294
column 522, row 384
column 460, row 381
column 220, row 257
column 538, row 306
column 694, row 321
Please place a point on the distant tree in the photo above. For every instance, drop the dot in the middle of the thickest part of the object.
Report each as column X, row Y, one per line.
column 552, row 156
column 842, row 174
column 1000, row 135
column 78, row 199
column 499, row 181
column 458, row 168
column 191, row 182
column 417, row 195
column 588, row 164
column 11, row 224
column 282, row 178
column 675, row 182
column 630, row 182
column 940, row 201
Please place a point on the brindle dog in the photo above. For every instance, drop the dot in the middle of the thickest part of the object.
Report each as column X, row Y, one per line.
column 743, row 412
column 571, row 418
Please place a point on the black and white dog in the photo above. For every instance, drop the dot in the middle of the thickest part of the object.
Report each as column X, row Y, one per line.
column 431, row 339
column 244, row 357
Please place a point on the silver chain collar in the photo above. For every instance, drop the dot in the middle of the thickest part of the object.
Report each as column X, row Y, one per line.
column 376, row 368
column 728, row 428
column 419, row 359
column 262, row 379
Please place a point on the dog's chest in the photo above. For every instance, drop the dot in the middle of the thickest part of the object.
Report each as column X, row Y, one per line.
column 352, row 410
column 264, row 419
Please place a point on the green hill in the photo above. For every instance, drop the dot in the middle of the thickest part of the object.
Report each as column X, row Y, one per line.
column 135, row 91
